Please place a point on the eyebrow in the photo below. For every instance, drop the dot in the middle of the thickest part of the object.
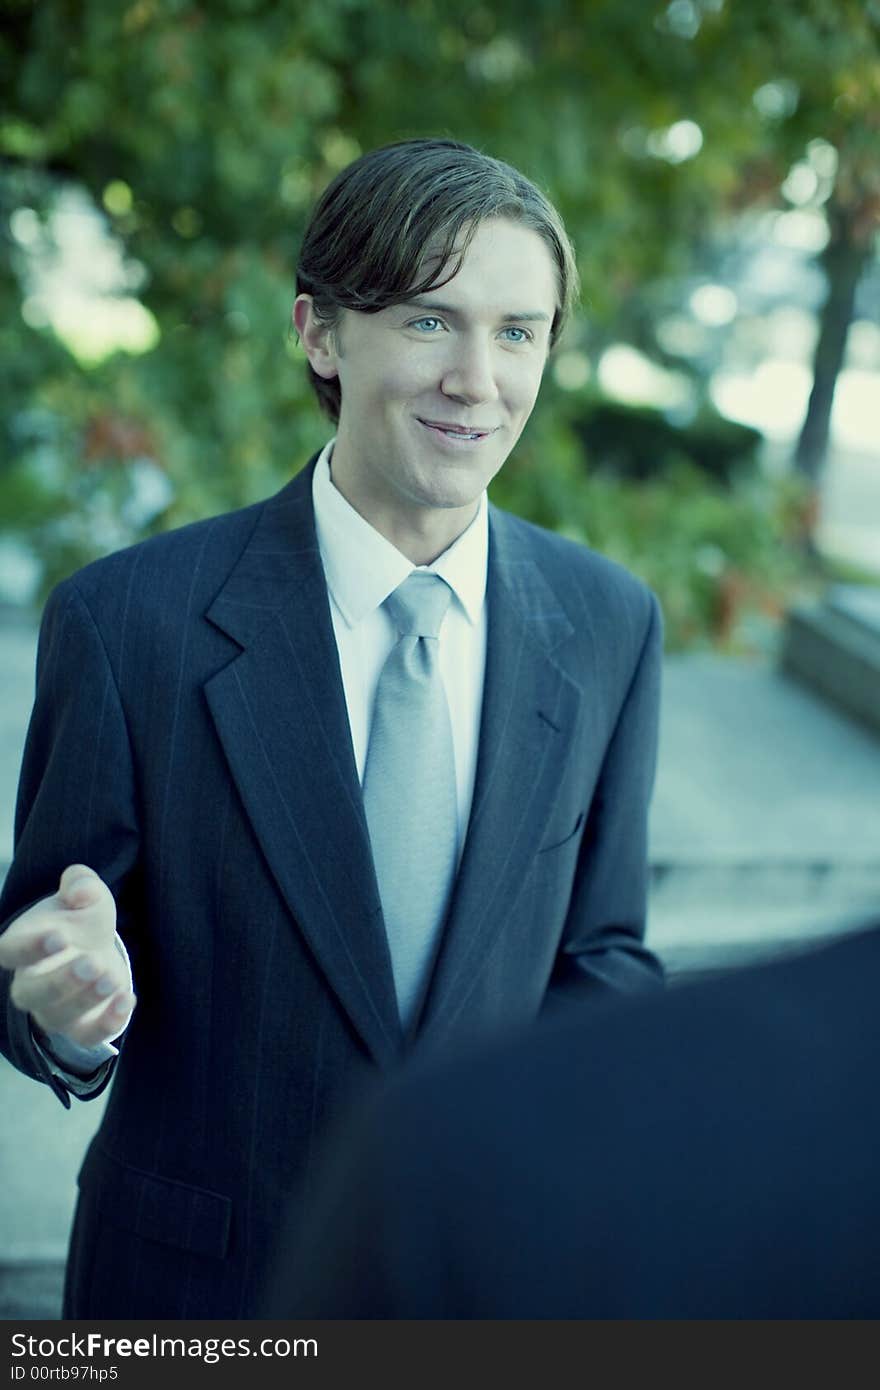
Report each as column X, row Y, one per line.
column 526, row 316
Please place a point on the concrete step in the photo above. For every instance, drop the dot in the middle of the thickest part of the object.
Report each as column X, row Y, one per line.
column 834, row 648
column 711, row 915
column 31, row 1292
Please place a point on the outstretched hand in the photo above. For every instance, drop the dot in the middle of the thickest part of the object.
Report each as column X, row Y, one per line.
column 68, row 973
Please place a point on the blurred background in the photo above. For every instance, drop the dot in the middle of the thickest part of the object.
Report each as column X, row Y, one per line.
column 712, row 418
column 713, row 415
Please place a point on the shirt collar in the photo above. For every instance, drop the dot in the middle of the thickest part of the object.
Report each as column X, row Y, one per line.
column 362, row 567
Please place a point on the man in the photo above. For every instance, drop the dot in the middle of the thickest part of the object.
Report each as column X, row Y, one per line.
column 711, row 1153
column 361, row 768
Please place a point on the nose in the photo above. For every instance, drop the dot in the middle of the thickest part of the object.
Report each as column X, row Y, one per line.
column 469, row 376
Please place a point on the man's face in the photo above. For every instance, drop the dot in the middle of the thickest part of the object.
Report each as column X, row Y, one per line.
column 435, row 392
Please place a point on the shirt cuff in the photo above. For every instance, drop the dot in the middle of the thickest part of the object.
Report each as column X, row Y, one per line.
column 76, row 1066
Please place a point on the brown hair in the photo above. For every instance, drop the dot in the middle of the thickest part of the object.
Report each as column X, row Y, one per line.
column 365, row 245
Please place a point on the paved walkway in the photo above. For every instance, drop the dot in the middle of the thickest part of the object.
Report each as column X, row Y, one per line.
column 766, row 815
column 765, row 831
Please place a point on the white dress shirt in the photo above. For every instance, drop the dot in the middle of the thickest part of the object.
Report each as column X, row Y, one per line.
column 362, row 568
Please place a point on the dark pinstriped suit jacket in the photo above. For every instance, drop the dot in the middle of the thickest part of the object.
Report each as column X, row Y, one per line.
column 190, row 742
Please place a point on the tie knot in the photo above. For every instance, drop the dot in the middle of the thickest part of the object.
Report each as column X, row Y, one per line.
column 418, row 605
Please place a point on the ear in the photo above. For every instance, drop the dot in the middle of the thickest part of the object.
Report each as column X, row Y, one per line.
column 316, row 337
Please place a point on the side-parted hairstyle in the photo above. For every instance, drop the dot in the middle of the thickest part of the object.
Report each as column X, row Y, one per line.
column 398, row 221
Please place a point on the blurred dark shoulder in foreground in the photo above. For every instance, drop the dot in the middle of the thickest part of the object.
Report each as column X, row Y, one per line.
column 710, row 1153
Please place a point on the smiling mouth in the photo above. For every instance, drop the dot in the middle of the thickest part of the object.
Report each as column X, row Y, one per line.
column 455, row 431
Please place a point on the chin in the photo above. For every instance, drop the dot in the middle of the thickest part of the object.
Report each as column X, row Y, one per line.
column 452, row 497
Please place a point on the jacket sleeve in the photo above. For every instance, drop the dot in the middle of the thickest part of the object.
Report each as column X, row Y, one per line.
column 76, row 798
column 602, row 947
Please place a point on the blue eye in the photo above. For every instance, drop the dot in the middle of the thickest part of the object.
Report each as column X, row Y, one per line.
column 524, row 334
column 434, row 323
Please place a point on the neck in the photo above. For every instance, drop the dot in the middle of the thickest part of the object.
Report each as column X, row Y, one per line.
column 420, row 533
column 422, row 539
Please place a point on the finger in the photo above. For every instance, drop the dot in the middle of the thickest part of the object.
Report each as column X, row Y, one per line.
column 20, row 949
column 59, row 989
column 104, row 1022
column 37, row 933
column 80, row 886
column 45, row 987
column 50, row 968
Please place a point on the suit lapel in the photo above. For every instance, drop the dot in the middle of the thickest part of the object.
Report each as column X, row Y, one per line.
column 279, row 709
column 530, row 710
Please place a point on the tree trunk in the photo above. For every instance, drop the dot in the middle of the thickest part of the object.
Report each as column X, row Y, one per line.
column 843, row 260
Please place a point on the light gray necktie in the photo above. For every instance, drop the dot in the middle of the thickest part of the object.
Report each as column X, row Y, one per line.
column 409, row 788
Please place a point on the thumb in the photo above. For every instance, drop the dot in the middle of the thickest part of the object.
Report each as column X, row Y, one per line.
column 80, row 886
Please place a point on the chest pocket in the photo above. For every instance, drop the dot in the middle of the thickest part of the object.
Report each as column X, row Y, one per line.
column 556, row 840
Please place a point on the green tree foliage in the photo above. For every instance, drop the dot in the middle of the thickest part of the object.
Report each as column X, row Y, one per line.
column 204, row 133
